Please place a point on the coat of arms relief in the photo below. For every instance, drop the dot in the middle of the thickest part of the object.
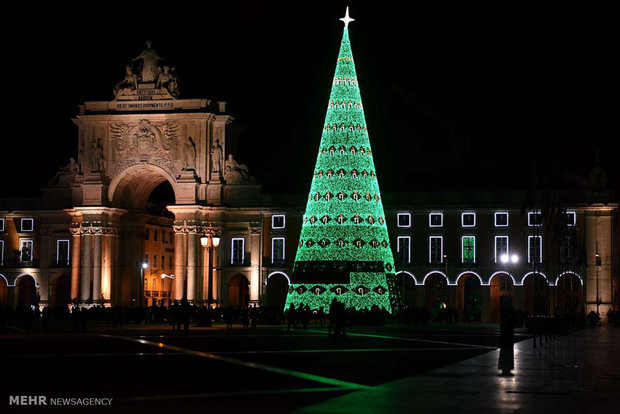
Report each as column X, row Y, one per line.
column 156, row 143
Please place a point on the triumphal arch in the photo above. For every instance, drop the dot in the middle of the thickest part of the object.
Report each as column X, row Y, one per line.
column 127, row 147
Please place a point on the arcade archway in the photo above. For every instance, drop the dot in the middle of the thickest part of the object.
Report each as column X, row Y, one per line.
column 277, row 289
column 436, row 293
column 536, row 294
column 26, row 290
column 569, row 295
column 502, row 285
column 469, row 297
column 407, row 285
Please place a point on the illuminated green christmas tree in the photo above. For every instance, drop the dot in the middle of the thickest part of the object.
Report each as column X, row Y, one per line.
column 344, row 250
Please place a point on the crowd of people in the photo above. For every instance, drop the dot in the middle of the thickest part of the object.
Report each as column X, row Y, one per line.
column 181, row 315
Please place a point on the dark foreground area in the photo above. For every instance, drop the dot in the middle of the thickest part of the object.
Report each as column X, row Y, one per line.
column 267, row 369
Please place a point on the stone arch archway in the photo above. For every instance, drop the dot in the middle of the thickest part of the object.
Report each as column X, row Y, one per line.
column 132, row 188
column 130, row 191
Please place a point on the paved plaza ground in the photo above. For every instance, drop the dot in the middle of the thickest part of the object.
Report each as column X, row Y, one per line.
column 443, row 368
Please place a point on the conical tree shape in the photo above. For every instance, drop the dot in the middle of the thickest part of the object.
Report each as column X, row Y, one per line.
column 344, row 250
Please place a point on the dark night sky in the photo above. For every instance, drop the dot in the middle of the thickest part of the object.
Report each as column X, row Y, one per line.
column 454, row 97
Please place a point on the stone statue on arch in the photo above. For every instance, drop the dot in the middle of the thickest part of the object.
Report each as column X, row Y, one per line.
column 65, row 174
column 96, row 156
column 168, row 79
column 130, row 83
column 149, row 69
column 217, row 158
column 189, row 155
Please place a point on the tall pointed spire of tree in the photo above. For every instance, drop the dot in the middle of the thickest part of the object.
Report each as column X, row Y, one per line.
column 344, row 250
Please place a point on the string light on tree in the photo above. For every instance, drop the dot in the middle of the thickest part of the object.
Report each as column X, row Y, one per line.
column 344, row 249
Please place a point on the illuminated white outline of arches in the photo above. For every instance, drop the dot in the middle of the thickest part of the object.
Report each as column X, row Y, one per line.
column 514, row 282
column 6, row 280
column 280, row 272
column 529, row 273
column 565, row 273
column 473, row 273
column 436, row 271
column 410, row 274
column 36, row 283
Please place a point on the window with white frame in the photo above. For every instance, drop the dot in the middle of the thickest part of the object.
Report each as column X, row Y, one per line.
column 62, row 252
column 501, row 249
column 237, row 254
column 1, row 252
column 468, row 249
column 534, row 248
column 27, row 224
column 435, row 249
column 277, row 250
column 26, row 250
column 570, row 218
column 278, row 221
column 404, row 220
column 435, row 220
column 1, row 224
column 501, row 219
column 534, row 218
column 403, row 248
column 468, row 219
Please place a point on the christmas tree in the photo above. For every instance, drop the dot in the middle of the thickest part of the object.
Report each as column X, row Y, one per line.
column 344, row 250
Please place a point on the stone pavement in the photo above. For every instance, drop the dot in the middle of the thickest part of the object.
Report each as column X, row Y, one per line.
column 578, row 373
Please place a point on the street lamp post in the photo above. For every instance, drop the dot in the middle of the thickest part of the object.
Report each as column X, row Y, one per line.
column 210, row 243
column 143, row 267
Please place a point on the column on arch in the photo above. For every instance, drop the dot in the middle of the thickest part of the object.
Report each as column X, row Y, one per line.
column 97, row 256
column 192, row 264
column 107, row 263
column 179, row 262
column 87, row 265
column 76, row 249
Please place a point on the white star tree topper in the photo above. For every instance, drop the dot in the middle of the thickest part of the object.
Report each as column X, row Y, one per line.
column 346, row 19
